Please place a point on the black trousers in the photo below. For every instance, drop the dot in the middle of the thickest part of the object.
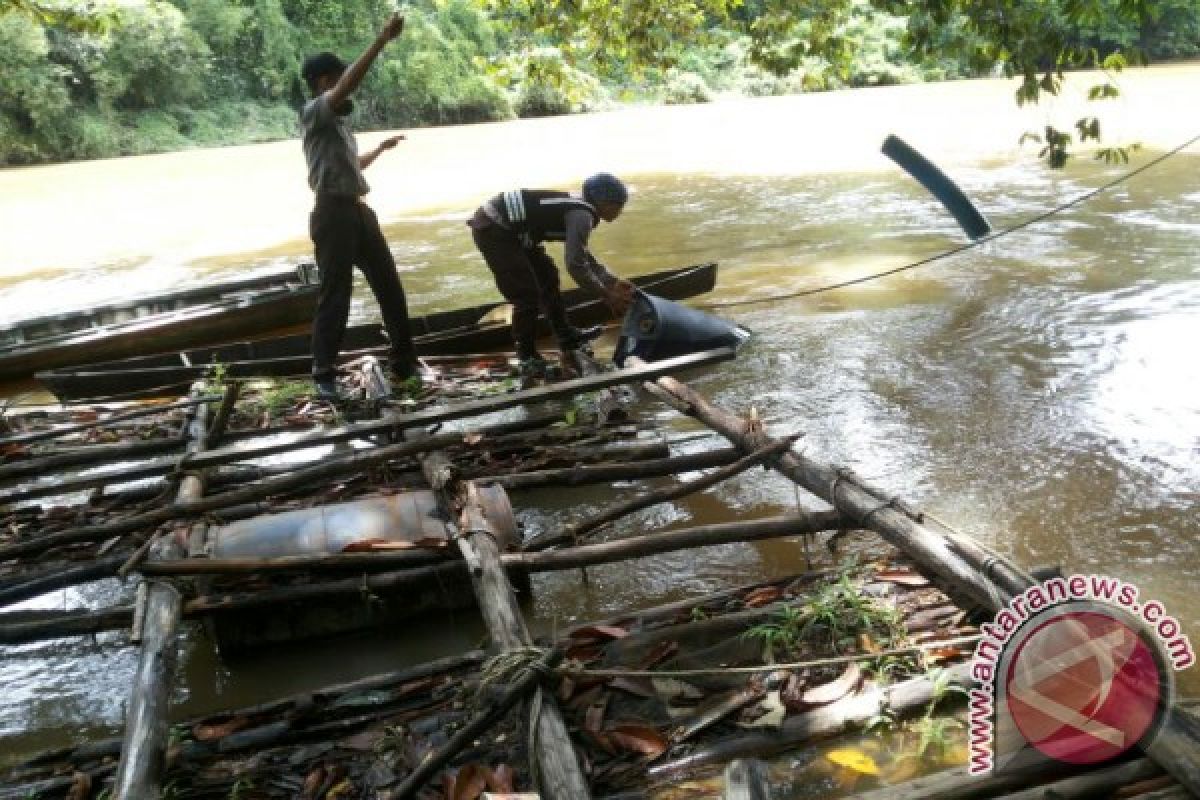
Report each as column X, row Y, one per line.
column 345, row 233
column 528, row 279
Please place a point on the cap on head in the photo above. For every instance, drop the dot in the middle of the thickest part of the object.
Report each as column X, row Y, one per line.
column 605, row 188
column 321, row 64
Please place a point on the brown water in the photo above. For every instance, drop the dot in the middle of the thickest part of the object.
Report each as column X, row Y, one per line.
column 1039, row 392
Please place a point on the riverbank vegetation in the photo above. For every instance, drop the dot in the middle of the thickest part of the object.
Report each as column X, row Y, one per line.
column 146, row 76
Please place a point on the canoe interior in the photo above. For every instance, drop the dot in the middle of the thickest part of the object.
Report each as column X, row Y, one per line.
column 22, row 333
column 457, row 332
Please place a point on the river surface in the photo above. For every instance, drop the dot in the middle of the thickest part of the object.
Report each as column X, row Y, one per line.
column 1040, row 392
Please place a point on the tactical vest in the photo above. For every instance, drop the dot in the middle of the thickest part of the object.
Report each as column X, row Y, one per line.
column 538, row 215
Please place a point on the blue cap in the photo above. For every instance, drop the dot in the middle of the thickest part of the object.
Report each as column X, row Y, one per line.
column 605, row 188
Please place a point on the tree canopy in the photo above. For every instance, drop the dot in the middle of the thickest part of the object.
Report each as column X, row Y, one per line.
column 89, row 78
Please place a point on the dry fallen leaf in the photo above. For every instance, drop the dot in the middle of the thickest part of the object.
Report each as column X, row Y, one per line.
column 501, row 779
column 599, row 632
column 834, row 690
column 469, row 783
column 219, row 730
column 312, row 784
column 639, row 738
column 762, row 596
column 902, row 577
column 855, row 760
column 81, row 787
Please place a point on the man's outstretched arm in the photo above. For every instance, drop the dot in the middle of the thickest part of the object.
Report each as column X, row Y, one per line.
column 355, row 73
column 368, row 158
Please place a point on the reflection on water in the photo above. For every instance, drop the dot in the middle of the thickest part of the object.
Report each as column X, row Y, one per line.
column 1037, row 392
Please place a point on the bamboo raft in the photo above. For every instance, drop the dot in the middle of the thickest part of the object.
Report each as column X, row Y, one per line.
column 685, row 700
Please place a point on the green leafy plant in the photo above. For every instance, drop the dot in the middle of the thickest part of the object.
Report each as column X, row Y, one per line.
column 934, row 735
column 782, row 634
column 241, row 788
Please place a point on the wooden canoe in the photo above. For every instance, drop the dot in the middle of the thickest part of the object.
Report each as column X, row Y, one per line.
column 162, row 323
column 458, row 332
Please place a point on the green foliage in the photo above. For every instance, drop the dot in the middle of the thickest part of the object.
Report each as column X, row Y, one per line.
column 86, row 79
column 435, row 73
column 934, row 735
column 151, row 58
column 685, row 87
column 542, row 83
column 781, row 635
column 33, row 99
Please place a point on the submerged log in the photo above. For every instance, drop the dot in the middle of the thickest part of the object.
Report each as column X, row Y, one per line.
column 144, row 750
column 80, row 623
column 668, row 494
column 558, row 774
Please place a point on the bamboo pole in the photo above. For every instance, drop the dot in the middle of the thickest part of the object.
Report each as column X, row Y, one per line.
column 665, row 495
column 607, row 473
column 390, row 424
column 38, row 436
column 59, row 576
column 79, row 456
column 558, row 775
column 641, row 546
column 143, row 752
column 216, row 431
column 1095, row 783
column 645, row 545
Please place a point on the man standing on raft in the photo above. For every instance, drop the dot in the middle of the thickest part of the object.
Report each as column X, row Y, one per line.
column 344, row 229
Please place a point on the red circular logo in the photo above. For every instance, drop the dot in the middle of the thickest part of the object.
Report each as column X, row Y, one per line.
column 1083, row 687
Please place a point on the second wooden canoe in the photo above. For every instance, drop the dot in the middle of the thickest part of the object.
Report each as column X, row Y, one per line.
column 457, row 332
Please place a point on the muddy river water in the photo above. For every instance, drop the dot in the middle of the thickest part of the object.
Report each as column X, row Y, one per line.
column 1040, row 392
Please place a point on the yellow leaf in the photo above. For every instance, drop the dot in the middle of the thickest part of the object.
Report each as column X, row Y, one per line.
column 855, row 760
